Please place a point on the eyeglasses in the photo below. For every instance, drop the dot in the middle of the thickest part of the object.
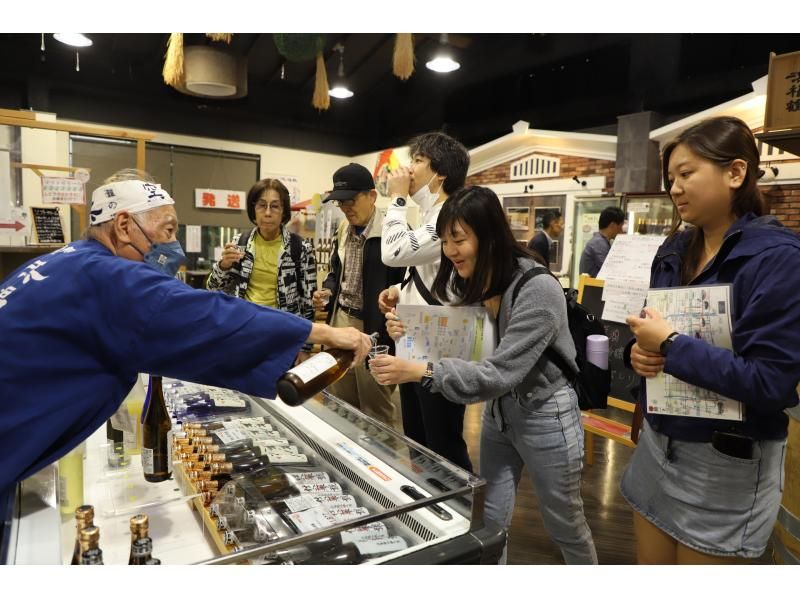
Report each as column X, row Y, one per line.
column 344, row 203
column 263, row 206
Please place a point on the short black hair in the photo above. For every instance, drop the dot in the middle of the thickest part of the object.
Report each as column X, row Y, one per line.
column 257, row 190
column 449, row 158
column 498, row 250
column 549, row 218
column 611, row 215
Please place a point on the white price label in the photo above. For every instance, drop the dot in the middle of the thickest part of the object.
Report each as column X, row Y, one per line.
column 313, row 366
column 147, row 460
column 229, row 402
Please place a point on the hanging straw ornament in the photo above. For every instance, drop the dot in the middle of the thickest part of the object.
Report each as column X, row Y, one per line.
column 321, row 99
column 173, row 72
column 403, row 58
column 220, row 37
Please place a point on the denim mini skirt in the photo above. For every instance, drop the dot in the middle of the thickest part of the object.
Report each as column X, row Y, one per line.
column 711, row 502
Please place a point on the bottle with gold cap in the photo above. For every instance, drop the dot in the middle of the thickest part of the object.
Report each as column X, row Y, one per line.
column 84, row 517
column 140, row 530
column 90, row 546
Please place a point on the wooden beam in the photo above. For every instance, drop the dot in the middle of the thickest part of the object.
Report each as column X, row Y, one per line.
column 75, row 128
column 140, row 154
column 25, row 114
column 35, row 167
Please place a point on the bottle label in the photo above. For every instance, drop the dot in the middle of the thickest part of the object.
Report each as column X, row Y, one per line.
column 329, row 488
column 247, row 421
column 366, row 533
column 286, row 458
column 231, row 436
column 346, row 514
column 384, row 546
column 309, row 477
column 256, row 433
column 229, row 402
column 271, row 443
column 303, row 502
column 335, row 501
column 311, row 519
column 256, row 426
column 313, row 366
column 147, row 460
column 285, row 449
column 129, row 441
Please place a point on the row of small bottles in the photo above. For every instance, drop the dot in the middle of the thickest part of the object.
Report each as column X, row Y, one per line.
column 87, row 542
column 653, row 226
column 260, row 481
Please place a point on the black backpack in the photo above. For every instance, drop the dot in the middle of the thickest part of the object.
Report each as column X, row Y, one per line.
column 590, row 382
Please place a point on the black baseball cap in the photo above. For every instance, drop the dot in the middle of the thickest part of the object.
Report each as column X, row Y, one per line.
column 349, row 181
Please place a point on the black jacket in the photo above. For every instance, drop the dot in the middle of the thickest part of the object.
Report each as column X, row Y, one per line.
column 376, row 277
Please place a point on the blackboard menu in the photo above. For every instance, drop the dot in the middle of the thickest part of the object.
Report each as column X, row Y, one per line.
column 48, row 225
column 623, row 380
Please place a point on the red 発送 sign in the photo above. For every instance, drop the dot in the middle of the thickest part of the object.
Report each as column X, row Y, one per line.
column 219, row 199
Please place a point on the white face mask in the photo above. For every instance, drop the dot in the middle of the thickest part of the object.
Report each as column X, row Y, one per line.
column 424, row 197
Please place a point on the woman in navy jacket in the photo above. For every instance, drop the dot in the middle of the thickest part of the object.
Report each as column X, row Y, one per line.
column 708, row 490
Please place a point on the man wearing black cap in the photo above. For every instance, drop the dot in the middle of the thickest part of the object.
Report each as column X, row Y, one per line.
column 356, row 278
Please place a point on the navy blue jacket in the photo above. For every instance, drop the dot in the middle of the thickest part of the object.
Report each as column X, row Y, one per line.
column 541, row 244
column 761, row 259
column 78, row 325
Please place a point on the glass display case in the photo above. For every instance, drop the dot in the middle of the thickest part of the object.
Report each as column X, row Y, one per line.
column 587, row 217
column 332, row 485
column 648, row 213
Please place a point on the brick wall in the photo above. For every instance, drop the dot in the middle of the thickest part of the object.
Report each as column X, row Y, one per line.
column 570, row 166
column 784, row 202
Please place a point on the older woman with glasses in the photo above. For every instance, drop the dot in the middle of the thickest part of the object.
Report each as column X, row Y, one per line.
column 269, row 265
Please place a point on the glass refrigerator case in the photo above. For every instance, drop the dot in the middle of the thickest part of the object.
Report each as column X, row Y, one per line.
column 648, row 214
column 331, row 485
column 587, row 216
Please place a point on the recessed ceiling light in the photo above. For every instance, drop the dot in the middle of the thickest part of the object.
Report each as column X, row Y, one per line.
column 78, row 40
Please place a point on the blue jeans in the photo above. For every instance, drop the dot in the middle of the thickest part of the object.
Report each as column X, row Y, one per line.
column 546, row 436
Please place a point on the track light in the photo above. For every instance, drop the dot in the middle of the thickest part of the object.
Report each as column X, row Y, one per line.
column 443, row 61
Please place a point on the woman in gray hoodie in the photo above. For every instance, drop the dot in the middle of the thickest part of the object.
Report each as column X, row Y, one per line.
column 531, row 417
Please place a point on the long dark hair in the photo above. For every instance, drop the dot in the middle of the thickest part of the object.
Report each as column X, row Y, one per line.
column 498, row 250
column 720, row 140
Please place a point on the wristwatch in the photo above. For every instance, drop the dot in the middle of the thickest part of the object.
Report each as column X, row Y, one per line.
column 667, row 343
column 399, row 201
column 427, row 377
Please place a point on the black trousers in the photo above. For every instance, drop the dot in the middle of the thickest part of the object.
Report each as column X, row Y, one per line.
column 435, row 422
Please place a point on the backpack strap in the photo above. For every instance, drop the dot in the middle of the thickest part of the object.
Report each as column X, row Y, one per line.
column 413, row 275
column 296, row 252
column 550, row 352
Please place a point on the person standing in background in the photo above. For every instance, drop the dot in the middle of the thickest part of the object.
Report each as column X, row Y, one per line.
column 552, row 227
column 611, row 224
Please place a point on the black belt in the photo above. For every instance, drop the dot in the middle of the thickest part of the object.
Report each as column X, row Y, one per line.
column 353, row 313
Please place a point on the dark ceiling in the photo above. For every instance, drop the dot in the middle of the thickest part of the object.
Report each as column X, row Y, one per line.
column 566, row 82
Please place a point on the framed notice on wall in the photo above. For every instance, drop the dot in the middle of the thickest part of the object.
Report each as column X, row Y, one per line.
column 47, row 222
column 63, row 190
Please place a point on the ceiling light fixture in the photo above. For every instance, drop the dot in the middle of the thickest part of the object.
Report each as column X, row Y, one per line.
column 443, row 61
column 79, row 40
column 339, row 89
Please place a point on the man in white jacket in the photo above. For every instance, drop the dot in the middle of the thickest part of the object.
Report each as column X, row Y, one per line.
column 438, row 169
